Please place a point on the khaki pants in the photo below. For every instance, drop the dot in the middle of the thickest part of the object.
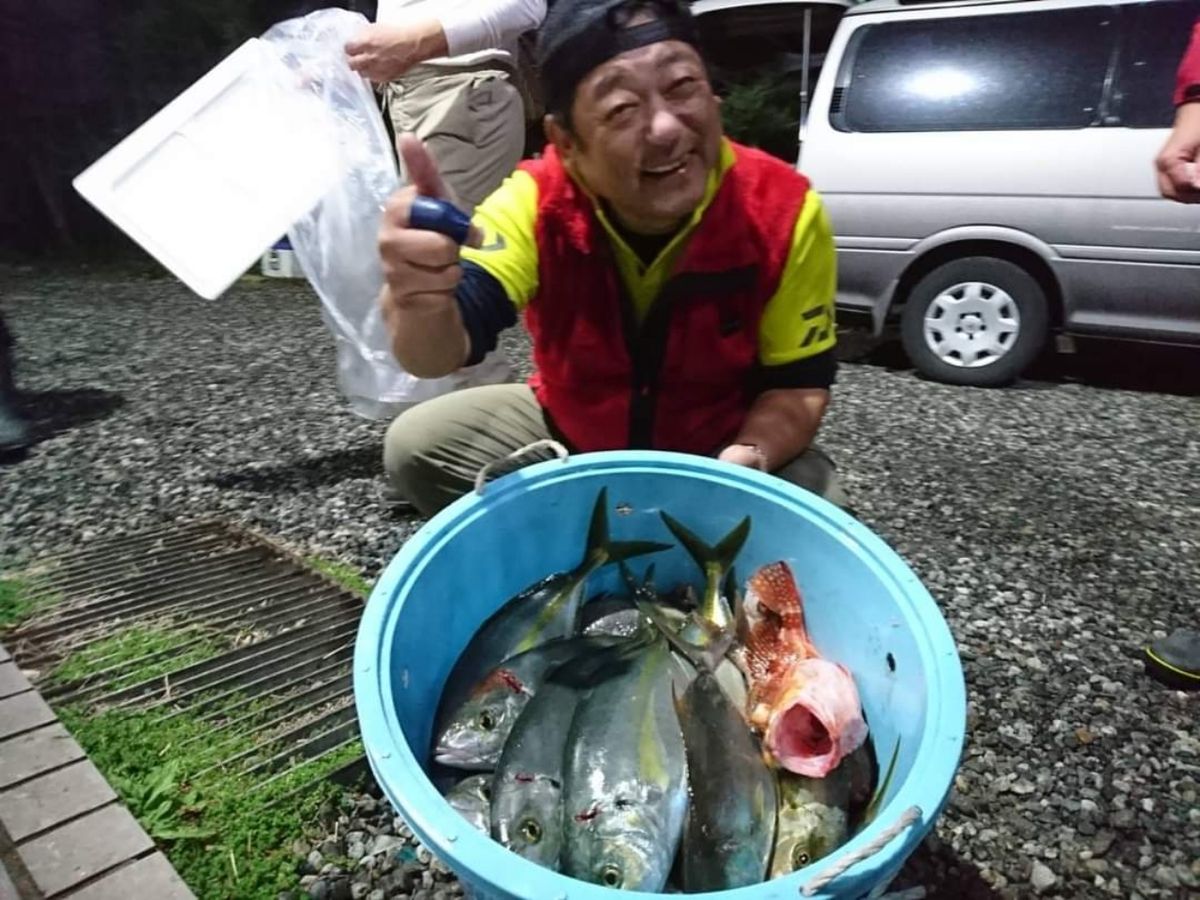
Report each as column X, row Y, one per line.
column 433, row 451
column 471, row 120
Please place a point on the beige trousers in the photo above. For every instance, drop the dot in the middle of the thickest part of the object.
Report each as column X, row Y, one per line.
column 471, row 120
column 434, row 450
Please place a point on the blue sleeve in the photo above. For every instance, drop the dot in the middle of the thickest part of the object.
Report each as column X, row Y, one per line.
column 486, row 310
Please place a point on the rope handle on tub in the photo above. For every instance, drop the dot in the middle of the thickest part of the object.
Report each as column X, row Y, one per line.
column 559, row 450
column 907, row 818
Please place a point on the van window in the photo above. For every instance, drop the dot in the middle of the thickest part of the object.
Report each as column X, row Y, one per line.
column 1041, row 69
column 1156, row 36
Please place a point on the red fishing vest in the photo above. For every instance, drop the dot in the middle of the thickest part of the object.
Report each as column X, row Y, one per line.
column 683, row 379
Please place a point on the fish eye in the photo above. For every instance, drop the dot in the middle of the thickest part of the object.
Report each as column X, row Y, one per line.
column 486, row 720
column 611, row 876
column 800, row 857
column 531, row 831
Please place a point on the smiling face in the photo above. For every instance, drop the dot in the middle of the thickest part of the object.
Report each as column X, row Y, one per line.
column 645, row 134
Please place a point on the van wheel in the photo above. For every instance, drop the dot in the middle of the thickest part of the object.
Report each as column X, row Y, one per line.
column 978, row 321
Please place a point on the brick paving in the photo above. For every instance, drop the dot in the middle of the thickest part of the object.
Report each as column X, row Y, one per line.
column 63, row 832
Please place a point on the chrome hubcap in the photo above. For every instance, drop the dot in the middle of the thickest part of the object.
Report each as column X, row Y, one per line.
column 971, row 324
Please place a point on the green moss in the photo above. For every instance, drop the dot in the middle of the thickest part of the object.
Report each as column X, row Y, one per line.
column 153, row 651
column 347, row 576
column 14, row 602
column 19, row 599
column 228, row 833
column 227, row 836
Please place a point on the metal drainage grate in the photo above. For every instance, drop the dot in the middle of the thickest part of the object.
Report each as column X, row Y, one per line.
column 286, row 636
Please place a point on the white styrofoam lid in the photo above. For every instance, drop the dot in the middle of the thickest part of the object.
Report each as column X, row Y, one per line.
column 213, row 179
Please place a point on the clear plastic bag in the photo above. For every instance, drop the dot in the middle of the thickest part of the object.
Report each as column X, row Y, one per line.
column 336, row 242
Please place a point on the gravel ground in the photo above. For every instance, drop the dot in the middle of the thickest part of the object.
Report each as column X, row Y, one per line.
column 1057, row 523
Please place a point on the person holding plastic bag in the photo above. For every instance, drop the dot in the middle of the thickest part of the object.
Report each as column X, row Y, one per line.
column 678, row 288
column 448, row 67
column 335, row 240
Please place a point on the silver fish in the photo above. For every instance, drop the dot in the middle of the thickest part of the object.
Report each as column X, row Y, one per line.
column 540, row 613
column 729, row 832
column 472, row 798
column 625, row 777
column 526, row 813
column 622, row 623
column 600, row 608
column 617, row 615
column 474, row 734
column 527, row 810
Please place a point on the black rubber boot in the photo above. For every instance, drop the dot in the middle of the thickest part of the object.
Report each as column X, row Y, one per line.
column 15, row 434
column 8, row 388
column 1175, row 660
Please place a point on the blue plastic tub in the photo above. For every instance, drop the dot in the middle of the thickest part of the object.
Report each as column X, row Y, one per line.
column 864, row 606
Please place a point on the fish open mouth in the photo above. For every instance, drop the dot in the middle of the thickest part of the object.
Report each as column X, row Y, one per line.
column 799, row 734
column 457, row 760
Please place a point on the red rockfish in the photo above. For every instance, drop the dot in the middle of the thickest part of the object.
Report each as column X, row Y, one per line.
column 806, row 707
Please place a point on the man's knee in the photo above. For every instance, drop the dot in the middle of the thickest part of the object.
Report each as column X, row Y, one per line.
column 410, row 449
column 814, row 471
column 402, row 447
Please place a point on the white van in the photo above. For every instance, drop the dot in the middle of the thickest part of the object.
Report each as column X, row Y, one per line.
column 989, row 173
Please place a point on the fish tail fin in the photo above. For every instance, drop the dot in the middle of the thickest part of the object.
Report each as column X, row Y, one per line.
column 722, row 554
column 601, row 549
column 707, row 656
column 646, row 586
column 648, row 578
column 735, row 596
column 591, row 668
column 618, row 551
column 627, row 576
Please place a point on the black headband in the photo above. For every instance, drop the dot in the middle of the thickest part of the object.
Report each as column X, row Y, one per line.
column 609, row 35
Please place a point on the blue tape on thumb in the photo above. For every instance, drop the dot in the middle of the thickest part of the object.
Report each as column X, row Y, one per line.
column 442, row 216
